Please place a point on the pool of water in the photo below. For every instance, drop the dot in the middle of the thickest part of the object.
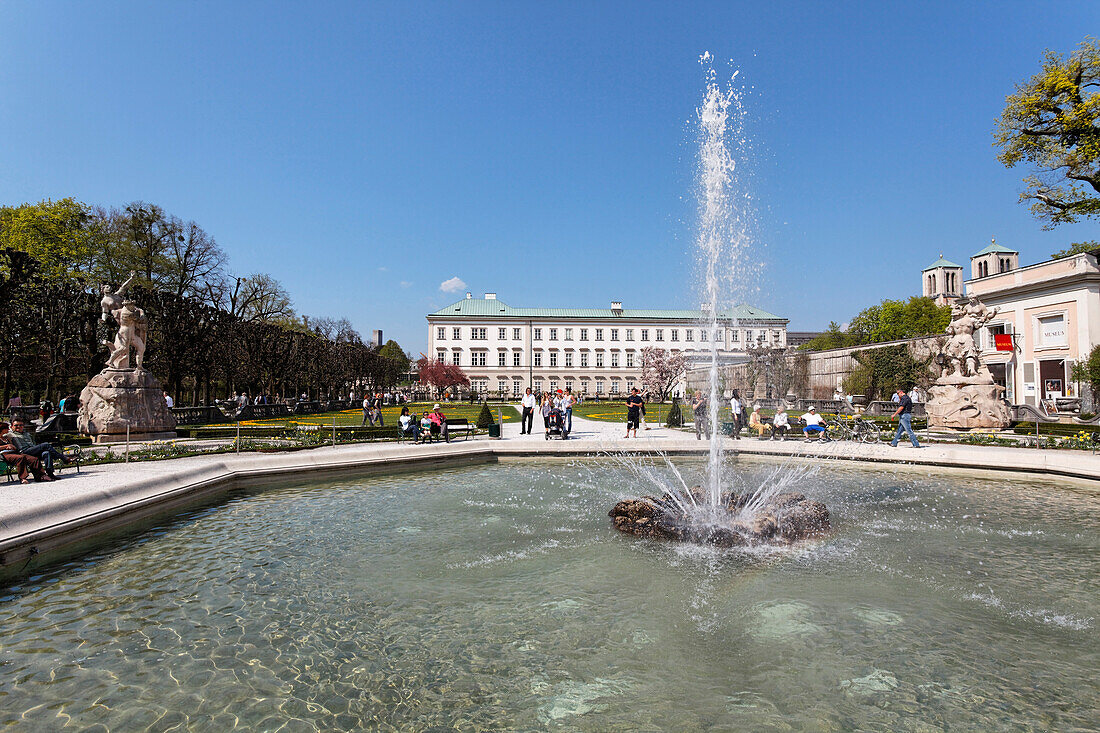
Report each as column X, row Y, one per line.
column 499, row 597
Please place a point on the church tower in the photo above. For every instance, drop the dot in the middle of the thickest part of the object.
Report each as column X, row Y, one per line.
column 942, row 281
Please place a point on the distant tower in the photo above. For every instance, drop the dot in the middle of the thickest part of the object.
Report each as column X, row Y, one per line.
column 376, row 337
column 942, row 280
column 993, row 260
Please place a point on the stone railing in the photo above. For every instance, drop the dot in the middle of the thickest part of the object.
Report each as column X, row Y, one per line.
column 311, row 407
column 262, row 412
column 201, row 415
column 879, row 408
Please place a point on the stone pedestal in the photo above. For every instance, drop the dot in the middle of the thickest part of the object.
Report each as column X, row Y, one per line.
column 117, row 399
column 967, row 402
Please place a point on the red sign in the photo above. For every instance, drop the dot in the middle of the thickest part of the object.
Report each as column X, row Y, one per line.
column 1003, row 341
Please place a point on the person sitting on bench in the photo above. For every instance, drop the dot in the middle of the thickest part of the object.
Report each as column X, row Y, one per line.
column 20, row 461
column 756, row 422
column 25, row 444
column 407, row 424
column 780, row 423
column 814, row 424
column 425, row 429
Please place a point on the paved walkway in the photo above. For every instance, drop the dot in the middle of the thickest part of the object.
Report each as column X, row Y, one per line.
column 41, row 517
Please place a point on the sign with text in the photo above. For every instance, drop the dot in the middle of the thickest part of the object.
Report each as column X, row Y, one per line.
column 1002, row 341
column 1052, row 331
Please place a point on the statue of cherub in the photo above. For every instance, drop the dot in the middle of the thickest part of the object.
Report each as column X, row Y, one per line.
column 113, row 301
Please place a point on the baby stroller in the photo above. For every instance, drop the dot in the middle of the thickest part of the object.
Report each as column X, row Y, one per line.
column 557, row 425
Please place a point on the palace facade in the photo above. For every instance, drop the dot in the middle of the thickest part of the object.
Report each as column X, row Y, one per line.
column 593, row 351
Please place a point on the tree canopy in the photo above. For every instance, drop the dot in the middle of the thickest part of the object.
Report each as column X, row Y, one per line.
column 1076, row 248
column 1050, row 124
column 890, row 320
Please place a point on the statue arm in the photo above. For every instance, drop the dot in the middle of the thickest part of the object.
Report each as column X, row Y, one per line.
column 122, row 288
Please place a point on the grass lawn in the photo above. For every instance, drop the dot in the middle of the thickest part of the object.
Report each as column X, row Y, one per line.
column 616, row 412
column 390, row 414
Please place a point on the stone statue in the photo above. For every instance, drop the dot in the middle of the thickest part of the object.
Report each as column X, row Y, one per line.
column 124, row 402
column 132, row 332
column 965, row 395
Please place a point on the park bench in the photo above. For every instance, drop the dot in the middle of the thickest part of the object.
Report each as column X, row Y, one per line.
column 460, row 424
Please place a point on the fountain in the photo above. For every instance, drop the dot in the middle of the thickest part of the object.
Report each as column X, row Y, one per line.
column 715, row 515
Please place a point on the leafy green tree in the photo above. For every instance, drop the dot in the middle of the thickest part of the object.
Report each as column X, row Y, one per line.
column 1052, row 124
column 882, row 371
column 485, row 418
column 393, row 352
column 833, row 337
column 1077, row 248
column 890, row 320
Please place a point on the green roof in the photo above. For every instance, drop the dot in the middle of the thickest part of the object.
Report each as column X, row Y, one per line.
column 994, row 247
column 941, row 262
column 499, row 309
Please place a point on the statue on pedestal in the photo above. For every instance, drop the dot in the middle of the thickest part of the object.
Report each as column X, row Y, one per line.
column 964, row 395
column 123, row 401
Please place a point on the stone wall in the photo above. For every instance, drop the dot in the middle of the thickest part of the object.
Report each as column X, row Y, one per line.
column 826, row 370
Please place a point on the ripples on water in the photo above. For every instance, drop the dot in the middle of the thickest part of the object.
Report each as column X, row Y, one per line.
column 499, row 597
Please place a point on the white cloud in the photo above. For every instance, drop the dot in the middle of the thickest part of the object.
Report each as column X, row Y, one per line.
column 406, row 284
column 383, row 269
column 453, row 285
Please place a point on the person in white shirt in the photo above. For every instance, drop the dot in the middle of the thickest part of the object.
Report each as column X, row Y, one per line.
column 169, row 401
column 528, row 419
column 566, row 407
column 780, row 423
column 736, row 411
column 814, row 424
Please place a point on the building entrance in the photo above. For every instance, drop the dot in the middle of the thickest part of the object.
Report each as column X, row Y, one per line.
column 1002, row 375
column 1052, row 378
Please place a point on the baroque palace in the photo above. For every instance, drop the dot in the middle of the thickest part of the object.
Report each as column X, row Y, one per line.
column 593, row 351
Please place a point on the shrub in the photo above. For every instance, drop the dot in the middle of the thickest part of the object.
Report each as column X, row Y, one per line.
column 485, row 418
column 675, row 417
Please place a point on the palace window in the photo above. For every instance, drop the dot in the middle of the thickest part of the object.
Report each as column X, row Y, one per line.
column 517, row 358
column 614, row 334
column 689, row 335
column 502, row 333
column 599, row 386
column 502, row 358
column 441, row 356
column 675, row 334
column 702, row 335
column 538, row 358
column 748, row 337
column 553, row 358
column 441, row 333
column 630, row 334
column 614, row 360
column 553, row 334
column 599, row 334
column 568, row 386
column 456, row 333
column 553, row 385
column 614, row 386
column 630, row 360
column 599, row 359
column 502, row 387
column 584, row 334
column 660, row 334
column 537, row 385
column 569, row 358
column 645, row 334
column 479, row 334
column 477, row 358
column 735, row 336
column 584, row 359
column 456, row 358
column 584, row 386
column 538, row 334
column 516, row 334
column 517, row 387
column 568, row 334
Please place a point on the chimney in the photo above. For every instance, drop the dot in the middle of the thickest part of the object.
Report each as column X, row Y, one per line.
column 469, row 295
column 617, row 307
column 490, row 296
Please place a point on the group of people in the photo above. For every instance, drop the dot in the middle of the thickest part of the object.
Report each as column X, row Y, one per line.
column 814, row 426
column 372, row 410
column 18, row 449
column 547, row 403
column 424, row 429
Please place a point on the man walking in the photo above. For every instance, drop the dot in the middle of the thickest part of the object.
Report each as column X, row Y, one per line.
column 634, row 405
column 368, row 413
column 904, row 414
column 527, row 420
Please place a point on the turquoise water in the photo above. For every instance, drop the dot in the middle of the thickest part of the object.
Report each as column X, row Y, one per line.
column 498, row 597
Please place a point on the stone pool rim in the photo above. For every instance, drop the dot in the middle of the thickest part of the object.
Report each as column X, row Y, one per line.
column 38, row 533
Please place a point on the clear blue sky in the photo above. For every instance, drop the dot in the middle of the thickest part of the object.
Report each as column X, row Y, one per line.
column 363, row 153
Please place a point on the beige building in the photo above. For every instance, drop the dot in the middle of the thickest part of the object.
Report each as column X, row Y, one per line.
column 1050, row 311
column 593, row 351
